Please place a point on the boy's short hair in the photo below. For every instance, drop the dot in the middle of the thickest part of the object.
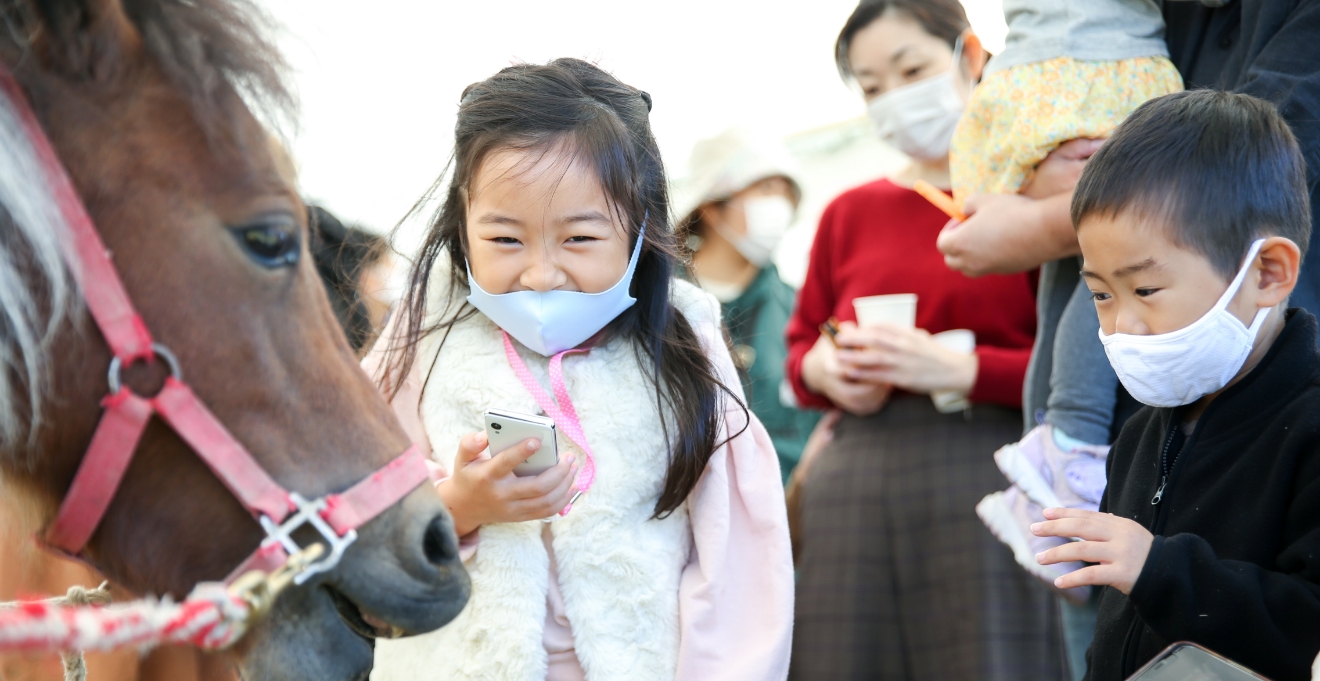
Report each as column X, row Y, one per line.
column 1219, row 169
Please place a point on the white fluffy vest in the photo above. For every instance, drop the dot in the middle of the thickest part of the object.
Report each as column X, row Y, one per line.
column 619, row 570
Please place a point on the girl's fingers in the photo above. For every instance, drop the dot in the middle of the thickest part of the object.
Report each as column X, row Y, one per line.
column 507, row 460
column 543, row 483
column 538, row 508
column 470, row 448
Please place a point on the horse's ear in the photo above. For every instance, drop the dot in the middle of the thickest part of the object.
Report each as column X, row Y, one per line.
column 80, row 38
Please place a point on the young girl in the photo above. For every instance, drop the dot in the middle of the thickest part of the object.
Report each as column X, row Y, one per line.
column 658, row 547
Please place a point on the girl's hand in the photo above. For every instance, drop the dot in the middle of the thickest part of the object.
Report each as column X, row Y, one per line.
column 906, row 358
column 1119, row 547
column 823, row 374
column 483, row 488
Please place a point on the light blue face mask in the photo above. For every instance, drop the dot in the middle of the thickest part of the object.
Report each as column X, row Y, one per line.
column 553, row 321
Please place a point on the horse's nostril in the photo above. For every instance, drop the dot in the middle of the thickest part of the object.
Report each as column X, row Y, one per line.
column 438, row 543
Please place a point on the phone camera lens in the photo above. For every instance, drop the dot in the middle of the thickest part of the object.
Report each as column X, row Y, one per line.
column 496, row 426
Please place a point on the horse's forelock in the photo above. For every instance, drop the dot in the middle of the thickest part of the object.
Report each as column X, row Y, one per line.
column 205, row 46
column 36, row 292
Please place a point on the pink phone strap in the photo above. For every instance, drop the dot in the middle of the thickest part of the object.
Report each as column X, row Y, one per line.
column 562, row 412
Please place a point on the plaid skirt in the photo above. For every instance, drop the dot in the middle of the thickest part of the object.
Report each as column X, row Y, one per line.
column 898, row 579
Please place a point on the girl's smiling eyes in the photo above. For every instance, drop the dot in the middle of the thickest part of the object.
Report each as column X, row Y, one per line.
column 511, row 241
column 1145, row 291
column 1099, row 296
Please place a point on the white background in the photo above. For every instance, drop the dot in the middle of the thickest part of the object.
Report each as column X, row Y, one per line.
column 379, row 82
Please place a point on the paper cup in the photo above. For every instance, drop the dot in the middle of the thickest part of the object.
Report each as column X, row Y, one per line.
column 960, row 341
column 898, row 309
column 957, row 340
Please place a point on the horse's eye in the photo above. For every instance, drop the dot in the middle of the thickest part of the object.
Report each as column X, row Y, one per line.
column 270, row 245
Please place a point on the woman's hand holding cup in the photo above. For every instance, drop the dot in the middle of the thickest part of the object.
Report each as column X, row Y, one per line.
column 905, row 358
column 824, row 374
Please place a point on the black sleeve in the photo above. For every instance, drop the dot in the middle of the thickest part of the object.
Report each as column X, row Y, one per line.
column 1267, row 620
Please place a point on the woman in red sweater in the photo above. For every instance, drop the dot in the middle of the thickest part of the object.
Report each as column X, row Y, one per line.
column 898, row 579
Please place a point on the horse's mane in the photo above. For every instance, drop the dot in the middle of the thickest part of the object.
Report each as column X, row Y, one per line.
column 203, row 47
column 36, row 292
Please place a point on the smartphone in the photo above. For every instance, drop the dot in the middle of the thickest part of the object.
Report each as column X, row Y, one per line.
column 505, row 429
column 1190, row 662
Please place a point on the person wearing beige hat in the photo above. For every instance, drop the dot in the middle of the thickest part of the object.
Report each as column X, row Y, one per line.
column 739, row 198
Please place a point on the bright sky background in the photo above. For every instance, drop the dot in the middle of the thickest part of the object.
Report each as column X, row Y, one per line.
column 379, row 85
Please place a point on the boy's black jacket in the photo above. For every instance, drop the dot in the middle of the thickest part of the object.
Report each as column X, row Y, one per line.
column 1235, row 565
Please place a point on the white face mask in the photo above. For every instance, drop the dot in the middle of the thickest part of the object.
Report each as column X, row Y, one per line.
column 768, row 218
column 918, row 119
column 550, row 322
column 1180, row 367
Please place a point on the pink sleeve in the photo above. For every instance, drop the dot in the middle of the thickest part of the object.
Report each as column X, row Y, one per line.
column 407, row 404
column 736, row 594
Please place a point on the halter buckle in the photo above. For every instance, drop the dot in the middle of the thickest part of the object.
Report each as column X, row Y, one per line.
column 308, row 513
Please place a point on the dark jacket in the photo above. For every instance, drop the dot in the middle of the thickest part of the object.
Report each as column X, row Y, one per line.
column 756, row 321
column 1235, row 565
column 1269, row 49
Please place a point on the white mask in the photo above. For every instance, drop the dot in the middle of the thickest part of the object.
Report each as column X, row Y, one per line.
column 918, row 119
column 768, row 218
column 1180, row 367
column 550, row 322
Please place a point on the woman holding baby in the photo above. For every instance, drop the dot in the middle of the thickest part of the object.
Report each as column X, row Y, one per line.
column 898, row 578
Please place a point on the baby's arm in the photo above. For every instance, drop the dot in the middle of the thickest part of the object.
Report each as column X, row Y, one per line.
column 1007, row 233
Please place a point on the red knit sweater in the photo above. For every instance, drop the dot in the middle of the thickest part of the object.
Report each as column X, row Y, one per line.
column 880, row 238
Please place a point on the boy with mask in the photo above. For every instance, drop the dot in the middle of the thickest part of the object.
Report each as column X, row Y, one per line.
column 1192, row 220
column 1068, row 71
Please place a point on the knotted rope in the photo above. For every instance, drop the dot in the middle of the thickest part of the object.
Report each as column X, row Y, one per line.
column 213, row 617
column 75, row 668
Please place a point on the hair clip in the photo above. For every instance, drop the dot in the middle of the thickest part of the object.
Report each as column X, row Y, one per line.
column 646, row 97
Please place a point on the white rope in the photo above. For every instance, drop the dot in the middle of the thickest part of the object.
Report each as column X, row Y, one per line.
column 210, row 617
column 75, row 667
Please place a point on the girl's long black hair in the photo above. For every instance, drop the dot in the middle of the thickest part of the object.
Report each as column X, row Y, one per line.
column 575, row 105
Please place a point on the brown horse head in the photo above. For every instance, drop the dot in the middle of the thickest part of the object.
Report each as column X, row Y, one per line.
column 144, row 100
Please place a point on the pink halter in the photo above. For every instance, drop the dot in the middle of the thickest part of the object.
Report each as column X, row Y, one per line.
column 125, row 415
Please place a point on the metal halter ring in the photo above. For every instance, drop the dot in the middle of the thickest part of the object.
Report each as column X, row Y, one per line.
column 117, row 365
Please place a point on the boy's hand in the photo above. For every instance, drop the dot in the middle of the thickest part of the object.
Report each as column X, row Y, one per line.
column 1119, row 545
column 483, row 488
